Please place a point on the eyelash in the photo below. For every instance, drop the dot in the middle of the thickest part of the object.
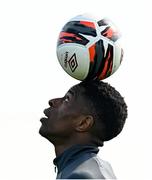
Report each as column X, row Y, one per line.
column 66, row 97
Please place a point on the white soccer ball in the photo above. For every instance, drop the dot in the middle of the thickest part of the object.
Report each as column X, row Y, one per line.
column 88, row 48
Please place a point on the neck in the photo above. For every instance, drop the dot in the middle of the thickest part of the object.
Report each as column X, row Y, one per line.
column 61, row 147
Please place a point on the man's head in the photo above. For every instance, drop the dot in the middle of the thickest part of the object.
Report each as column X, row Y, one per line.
column 90, row 111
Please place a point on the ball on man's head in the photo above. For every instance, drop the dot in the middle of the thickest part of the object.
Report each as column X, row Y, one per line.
column 88, row 48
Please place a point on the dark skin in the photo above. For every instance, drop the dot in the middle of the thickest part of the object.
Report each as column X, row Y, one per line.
column 67, row 121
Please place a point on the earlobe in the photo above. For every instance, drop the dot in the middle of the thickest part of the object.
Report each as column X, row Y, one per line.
column 84, row 123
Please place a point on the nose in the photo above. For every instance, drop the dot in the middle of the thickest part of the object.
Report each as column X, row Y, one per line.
column 54, row 102
column 51, row 102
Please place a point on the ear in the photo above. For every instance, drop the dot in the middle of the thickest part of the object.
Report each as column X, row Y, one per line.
column 84, row 123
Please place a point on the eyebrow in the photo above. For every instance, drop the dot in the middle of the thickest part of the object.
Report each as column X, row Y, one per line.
column 71, row 92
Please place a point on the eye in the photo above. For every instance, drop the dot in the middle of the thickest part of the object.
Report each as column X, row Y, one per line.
column 66, row 99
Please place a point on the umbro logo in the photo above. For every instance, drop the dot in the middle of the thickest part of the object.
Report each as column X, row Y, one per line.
column 72, row 62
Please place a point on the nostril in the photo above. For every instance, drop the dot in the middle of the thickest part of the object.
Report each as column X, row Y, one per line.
column 55, row 102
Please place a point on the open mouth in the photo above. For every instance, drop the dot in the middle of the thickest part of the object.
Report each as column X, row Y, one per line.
column 46, row 117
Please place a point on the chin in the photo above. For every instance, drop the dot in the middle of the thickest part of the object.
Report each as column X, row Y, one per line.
column 43, row 132
column 46, row 135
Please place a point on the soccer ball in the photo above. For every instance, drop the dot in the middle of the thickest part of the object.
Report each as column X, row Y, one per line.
column 88, row 48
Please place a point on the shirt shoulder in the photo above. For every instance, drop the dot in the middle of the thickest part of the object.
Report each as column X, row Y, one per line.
column 93, row 168
column 105, row 168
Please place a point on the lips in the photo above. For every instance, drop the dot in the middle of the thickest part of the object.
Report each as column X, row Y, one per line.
column 47, row 115
column 43, row 119
column 47, row 112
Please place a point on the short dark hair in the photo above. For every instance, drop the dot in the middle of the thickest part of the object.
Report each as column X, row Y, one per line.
column 108, row 108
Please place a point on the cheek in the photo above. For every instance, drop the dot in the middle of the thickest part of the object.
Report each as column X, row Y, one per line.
column 61, row 126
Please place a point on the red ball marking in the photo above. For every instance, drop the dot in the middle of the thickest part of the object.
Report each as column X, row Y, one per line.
column 92, row 53
column 66, row 34
column 103, row 74
column 88, row 24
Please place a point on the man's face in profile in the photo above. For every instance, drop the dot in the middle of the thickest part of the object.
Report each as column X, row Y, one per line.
column 62, row 114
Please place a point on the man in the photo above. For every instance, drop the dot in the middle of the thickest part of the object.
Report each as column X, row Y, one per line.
column 90, row 113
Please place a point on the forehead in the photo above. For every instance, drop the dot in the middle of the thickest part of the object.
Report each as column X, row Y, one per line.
column 77, row 91
column 79, row 101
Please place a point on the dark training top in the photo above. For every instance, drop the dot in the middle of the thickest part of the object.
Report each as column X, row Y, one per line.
column 82, row 162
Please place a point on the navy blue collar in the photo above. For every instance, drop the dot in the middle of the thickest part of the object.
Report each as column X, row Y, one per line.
column 73, row 153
